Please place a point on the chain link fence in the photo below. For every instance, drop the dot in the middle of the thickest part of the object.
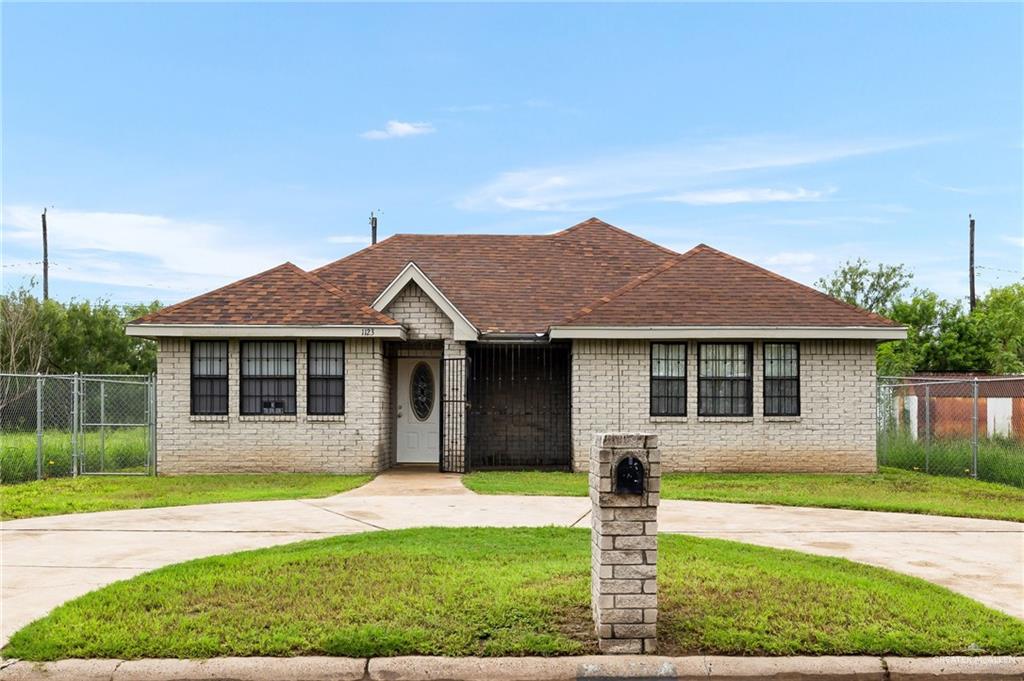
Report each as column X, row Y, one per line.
column 68, row 425
column 965, row 427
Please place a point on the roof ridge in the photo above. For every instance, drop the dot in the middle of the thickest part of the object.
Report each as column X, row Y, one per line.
column 781, row 278
column 620, row 230
column 632, row 284
column 344, row 295
column 175, row 306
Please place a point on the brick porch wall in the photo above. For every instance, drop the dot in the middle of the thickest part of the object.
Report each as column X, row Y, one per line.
column 834, row 433
column 356, row 442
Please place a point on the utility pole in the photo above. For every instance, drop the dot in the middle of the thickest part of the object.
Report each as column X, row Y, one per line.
column 46, row 262
column 973, row 297
column 373, row 228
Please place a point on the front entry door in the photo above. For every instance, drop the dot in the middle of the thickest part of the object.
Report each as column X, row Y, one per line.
column 418, row 410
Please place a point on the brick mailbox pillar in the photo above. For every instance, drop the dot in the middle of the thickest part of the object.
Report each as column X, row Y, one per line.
column 625, row 485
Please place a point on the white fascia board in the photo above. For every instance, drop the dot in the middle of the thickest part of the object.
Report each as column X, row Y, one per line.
column 464, row 329
column 264, row 331
column 672, row 332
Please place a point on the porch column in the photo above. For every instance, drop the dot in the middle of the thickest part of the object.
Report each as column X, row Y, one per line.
column 453, row 438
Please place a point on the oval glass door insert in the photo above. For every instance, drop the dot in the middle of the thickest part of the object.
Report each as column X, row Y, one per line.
column 421, row 391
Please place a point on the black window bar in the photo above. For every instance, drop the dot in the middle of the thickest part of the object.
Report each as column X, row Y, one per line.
column 725, row 376
column 519, row 406
column 668, row 379
column 209, row 393
column 781, row 379
column 325, row 378
column 267, row 377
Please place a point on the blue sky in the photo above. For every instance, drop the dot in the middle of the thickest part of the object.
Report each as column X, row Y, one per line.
column 180, row 147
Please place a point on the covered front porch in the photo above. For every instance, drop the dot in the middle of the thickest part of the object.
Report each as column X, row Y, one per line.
column 480, row 405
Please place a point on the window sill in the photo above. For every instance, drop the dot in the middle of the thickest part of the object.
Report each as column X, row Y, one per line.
column 668, row 419
column 782, row 419
column 208, row 418
column 325, row 417
column 725, row 419
column 267, row 417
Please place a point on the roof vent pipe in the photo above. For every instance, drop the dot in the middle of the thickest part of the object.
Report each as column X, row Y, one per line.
column 373, row 228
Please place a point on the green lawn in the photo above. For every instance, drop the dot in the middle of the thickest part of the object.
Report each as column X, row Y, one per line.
column 123, row 449
column 1000, row 459
column 472, row 591
column 889, row 490
column 82, row 494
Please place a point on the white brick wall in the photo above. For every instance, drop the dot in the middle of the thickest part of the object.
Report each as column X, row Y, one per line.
column 835, row 431
column 357, row 442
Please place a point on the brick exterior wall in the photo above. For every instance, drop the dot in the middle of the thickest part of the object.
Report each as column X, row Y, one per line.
column 356, row 442
column 422, row 319
column 835, row 431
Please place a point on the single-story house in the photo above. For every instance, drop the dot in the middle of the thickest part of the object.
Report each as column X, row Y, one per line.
column 478, row 352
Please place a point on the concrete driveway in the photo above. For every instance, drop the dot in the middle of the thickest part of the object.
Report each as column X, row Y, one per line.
column 46, row 561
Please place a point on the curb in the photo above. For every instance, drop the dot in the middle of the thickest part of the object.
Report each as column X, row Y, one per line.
column 593, row 668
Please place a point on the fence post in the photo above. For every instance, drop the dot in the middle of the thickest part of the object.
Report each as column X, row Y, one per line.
column 103, row 421
column 39, row 426
column 927, row 426
column 974, row 433
column 883, row 404
column 75, row 424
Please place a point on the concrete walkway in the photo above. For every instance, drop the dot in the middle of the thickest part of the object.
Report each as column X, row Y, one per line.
column 46, row 561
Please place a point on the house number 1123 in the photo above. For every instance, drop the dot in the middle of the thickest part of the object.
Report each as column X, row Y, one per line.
column 367, row 331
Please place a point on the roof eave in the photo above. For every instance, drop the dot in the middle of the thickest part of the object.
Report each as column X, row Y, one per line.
column 266, row 331
column 879, row 333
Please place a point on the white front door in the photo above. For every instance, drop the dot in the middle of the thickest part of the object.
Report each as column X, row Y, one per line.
column 418, row 408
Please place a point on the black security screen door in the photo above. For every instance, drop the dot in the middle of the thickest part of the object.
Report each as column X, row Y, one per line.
column 518, row 406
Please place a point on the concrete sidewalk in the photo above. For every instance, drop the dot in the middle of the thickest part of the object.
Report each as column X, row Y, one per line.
column 47, row 561
column 693, row 668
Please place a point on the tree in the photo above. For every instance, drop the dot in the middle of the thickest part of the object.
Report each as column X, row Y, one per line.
column 1001, row 313
column 876, row 289
column 54, row 337
column 23, row 339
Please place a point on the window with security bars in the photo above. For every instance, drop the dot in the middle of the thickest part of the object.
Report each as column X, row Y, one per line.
column 325, row 385
column 668, row 379
column 209, row 378
column 781, row 379
column 267, row 377
column 725, row 377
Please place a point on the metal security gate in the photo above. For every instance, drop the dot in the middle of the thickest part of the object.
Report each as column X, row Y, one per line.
column 519, row 406
column 453, row 414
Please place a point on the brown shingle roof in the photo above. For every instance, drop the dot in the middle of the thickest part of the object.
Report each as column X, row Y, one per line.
column 503, row 283
column 284, row 295
column 592, row 274
column 706, row 287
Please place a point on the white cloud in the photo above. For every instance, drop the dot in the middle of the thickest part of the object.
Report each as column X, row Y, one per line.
column 789, row 258
column 144, row 251
column 599, row 183
column 718, row 197
column 399, row 129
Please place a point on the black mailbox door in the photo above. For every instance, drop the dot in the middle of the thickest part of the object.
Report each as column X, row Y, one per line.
column 629, row 476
